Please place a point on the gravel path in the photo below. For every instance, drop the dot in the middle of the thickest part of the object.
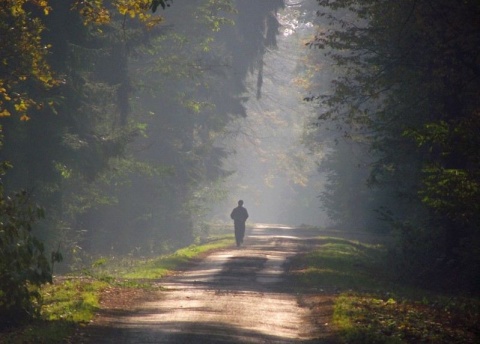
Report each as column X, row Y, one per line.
column 232, row 296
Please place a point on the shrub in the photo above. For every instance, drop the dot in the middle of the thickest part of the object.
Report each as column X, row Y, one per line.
column 23, row 265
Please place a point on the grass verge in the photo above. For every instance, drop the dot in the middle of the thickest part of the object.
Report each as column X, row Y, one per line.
column 164, row 265
column 74, row 300
column 371, row 307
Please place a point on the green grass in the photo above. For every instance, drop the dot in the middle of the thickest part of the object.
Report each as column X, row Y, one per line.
column 371, row 307
column 164, row 265
column 74, row 300
column 39, row 332
column 64, row 304
column 339, row 265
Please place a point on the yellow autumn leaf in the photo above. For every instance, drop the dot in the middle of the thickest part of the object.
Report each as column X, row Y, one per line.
column 17, row 10
column 45, row 78
column 22, row 106
column 122, row 9
column 4, row 113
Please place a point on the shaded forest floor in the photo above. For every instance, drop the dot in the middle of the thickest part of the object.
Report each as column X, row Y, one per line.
column 370, row 305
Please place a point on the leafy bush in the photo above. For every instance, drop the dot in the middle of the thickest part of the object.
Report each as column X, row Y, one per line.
column 23, row 265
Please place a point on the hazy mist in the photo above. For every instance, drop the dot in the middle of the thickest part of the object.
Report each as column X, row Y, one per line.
column 275, row 174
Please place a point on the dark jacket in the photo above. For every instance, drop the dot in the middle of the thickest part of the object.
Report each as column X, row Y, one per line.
column 239, row 214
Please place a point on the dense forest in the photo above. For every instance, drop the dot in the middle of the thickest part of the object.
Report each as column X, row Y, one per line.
column 116, row 121
column 110, row 114
column 402, row 107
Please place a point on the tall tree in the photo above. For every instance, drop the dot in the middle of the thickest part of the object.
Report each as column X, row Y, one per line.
column 76, row 155
column 409, row 75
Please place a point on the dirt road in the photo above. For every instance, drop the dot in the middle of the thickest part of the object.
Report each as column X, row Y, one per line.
column 237, row 295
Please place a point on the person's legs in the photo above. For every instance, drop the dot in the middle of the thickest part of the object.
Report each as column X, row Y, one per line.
column 242, row 233
column 238, row 237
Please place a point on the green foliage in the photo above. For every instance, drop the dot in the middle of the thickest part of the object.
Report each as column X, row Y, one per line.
column 23, row 264
column 407, row 82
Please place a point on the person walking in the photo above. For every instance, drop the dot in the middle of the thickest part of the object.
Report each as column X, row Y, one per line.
column 239, row 215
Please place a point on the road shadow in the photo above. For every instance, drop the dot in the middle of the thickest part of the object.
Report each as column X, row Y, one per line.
column 258, row 266
column 208, row 303
column 191, row 333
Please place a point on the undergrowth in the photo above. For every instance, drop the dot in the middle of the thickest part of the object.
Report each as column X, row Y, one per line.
column 372, row 306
